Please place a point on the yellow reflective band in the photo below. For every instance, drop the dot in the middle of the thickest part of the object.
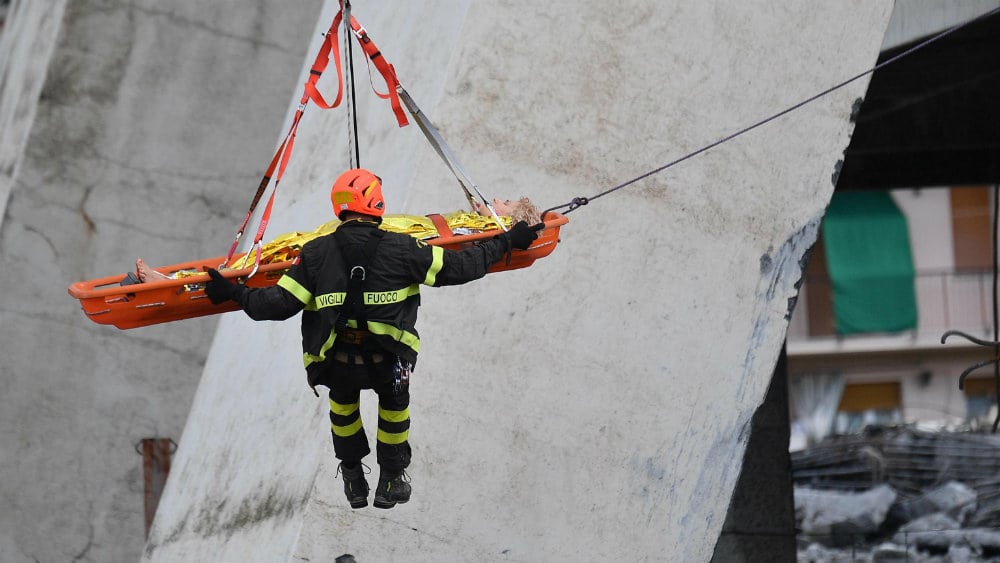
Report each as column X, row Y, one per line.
column 335, row 299
column 296, row 289
column 349, row 430
column 392, row 438
column 308, row 358
column 342, row 409
column 388, row 297
column 394, row 416
column 407, row 338
column 437, row 262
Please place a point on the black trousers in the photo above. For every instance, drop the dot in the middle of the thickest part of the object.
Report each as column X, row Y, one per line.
column 350, row 443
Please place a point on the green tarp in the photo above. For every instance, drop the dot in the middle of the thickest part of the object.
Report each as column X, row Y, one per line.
column 870, row 263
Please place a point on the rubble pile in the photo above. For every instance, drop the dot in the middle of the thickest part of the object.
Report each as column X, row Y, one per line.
column 899, row 494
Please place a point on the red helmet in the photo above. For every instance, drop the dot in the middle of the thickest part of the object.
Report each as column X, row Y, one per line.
column 358, row 190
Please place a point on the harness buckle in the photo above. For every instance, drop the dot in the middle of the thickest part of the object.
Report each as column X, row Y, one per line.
column 360, row 32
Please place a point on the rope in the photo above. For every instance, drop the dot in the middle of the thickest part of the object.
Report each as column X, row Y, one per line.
column 580, row 201
column 352, row 140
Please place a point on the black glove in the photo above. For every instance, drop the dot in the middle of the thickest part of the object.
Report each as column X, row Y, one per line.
column 521, row 235
column 219, row 289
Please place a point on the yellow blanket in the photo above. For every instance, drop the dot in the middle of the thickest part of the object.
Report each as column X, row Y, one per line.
column 286, row 246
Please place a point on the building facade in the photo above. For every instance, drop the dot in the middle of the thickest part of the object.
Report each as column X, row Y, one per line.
column 842, row 377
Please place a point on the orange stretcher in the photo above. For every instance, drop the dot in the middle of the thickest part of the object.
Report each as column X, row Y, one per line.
column 106, row 301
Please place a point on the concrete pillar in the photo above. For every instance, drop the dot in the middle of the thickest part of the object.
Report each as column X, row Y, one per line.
column 127, row 129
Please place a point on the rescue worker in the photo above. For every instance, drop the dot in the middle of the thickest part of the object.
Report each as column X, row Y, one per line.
column 359, row 289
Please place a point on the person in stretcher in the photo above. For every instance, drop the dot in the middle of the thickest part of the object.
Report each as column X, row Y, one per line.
column 285, row 246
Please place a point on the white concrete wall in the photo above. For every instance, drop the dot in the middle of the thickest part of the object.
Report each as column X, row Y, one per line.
column 126, row 129
column 26, row 43
column 595, row 406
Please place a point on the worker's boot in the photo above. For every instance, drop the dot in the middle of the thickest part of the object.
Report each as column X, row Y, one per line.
column 355, row 485
column 393, row 488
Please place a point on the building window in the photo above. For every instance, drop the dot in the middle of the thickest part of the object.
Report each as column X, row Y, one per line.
column 864, row 404
column 971, row 230
column 980, row 397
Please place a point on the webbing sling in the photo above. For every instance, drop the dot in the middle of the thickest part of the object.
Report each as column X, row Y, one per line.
column 372, row 54
column 311, row 92
column 284, row 152
column 357, row 257
column 448, row 156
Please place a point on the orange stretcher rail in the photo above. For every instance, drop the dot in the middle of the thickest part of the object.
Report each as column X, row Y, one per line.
column 106, row 301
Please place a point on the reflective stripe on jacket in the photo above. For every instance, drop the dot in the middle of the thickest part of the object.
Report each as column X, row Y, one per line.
column 317, row 284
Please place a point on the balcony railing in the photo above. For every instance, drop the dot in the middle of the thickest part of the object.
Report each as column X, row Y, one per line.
column 945, row 300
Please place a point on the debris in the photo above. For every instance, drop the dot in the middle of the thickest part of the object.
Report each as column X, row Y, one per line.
column 838, row 518
column 899, row 494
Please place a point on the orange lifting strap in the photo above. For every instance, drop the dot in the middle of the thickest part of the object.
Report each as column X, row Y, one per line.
column 311, row 93
column 107, row 302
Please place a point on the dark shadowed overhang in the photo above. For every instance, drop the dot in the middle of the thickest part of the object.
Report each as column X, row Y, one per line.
column 931, row 118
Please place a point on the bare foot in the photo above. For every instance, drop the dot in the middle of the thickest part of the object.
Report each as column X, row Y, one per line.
column 146, row 273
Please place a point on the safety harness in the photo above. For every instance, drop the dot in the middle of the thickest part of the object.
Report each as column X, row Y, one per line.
column 357, row 342
column 357, row 257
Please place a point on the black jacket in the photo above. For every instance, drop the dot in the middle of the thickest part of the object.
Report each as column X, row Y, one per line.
column 317, row 282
